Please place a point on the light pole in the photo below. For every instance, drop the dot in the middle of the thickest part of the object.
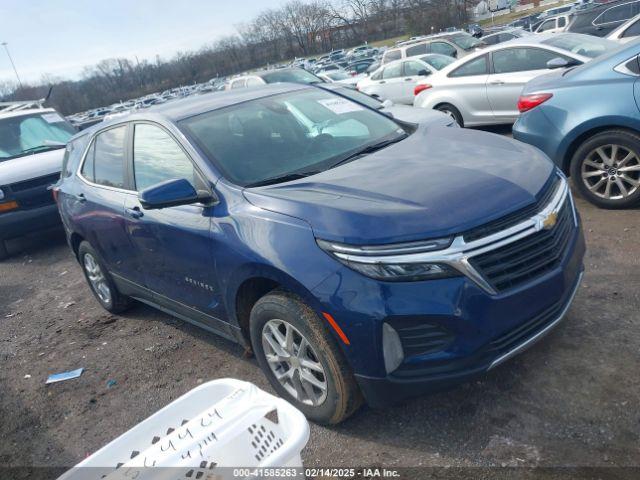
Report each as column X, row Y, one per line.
column 4, row 44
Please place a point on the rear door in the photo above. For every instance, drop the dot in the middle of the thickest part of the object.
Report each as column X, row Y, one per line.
column 512, row 69
column 173, row 244
column 98, row 205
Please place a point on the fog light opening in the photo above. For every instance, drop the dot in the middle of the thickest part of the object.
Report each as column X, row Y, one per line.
column 391, row 348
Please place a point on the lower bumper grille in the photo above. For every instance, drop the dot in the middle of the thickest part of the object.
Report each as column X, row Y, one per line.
column 532, row 256
column 420, row 338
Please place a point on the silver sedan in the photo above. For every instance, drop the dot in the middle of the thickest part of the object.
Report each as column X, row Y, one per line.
column 483, row 88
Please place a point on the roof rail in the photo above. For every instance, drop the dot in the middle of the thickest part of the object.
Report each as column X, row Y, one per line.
column 21, row 105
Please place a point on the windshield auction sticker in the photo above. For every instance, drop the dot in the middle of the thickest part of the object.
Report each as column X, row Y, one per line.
column 340, row 105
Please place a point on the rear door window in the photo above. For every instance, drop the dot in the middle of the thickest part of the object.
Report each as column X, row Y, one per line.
column 413, row 68
column 443, row 48
column 110, row 157
column 87, row 167
column 392, row 55
column 419, row 49
column 477, row 66
column 548, row 25
column 393, row 71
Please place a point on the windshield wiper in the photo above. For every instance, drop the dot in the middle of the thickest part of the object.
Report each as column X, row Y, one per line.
column 39, row 148
column 369, row 149
column 280, row 179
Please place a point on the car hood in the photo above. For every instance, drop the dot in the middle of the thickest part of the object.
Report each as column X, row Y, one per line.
column 31, row 166
column 437, row 182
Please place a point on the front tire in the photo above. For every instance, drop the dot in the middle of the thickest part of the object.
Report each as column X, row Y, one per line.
column 606, row 169
column 100, row 281
column 301, row 360
column 452, row 111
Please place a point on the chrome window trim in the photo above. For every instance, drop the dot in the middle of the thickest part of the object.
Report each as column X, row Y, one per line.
column 611, row 8
column 84, row 157
column 622, row 67
column 458, row 254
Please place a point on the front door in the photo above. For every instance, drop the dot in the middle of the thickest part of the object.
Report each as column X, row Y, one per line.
column 174, row 244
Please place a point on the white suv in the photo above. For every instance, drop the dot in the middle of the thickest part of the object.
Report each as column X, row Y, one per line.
column 32, row 146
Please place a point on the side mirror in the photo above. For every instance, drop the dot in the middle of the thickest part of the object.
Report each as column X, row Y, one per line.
column 387, row 103
column 424, row 73
column 171, row 193
column 560, row 62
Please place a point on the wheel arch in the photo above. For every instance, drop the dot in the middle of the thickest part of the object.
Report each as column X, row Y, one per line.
column 253, row 282
column 579, row 135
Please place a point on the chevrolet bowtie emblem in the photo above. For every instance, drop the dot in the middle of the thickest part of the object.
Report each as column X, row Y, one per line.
column 550, row 221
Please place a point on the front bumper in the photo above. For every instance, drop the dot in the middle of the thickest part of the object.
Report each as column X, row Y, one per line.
column 381, row 392
column 22, row 222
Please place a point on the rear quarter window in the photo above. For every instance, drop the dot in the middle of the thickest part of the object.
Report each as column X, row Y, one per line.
column 72, row 155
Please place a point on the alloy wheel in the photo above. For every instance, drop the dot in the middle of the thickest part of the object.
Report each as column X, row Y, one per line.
column 97, row 279
column 294, row 362
column 611, row 172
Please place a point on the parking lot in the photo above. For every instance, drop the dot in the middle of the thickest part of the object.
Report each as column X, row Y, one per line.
column 571, row 400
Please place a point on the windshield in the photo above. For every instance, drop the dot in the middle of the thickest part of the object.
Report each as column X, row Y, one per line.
column 293, row 76
column 300, row 132
column 465, row 41
column 586, row 45
column 438, row 61
column 25, row 134
column 337, row 76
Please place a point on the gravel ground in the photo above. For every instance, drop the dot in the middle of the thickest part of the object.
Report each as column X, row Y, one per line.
column 571, row 400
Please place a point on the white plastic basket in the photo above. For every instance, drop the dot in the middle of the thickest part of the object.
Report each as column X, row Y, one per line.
column 217, row 430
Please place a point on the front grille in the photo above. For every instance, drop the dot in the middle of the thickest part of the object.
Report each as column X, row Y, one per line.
column 530, row 257
column 420, row 338
column 514, row 218
column 45, row 181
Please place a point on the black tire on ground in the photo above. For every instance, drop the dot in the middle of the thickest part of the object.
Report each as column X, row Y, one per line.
column 3, row 250
column 343, row 396
column 626, row 141
column 451, row 111
column 118, row 302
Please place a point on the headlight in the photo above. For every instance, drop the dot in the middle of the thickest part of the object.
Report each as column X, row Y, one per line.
column 1, row 194
column 371, row 261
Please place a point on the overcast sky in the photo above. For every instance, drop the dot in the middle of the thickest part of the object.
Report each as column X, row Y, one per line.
column 60, row 37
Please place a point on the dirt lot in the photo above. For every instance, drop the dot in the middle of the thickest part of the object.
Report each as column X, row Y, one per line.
column 572, row 400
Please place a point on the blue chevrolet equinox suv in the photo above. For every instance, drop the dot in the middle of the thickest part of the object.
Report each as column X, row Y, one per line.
column 357, row 256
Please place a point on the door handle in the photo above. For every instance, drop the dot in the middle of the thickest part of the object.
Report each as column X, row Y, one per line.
column 408, row 79
column 496, row 82
column 382, row 82
column 134, row 212
column 80, row 198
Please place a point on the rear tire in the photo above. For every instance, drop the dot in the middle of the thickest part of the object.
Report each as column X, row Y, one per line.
column 452, row 111
column 101, row 283
column 319, row 357
column 606, row 169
